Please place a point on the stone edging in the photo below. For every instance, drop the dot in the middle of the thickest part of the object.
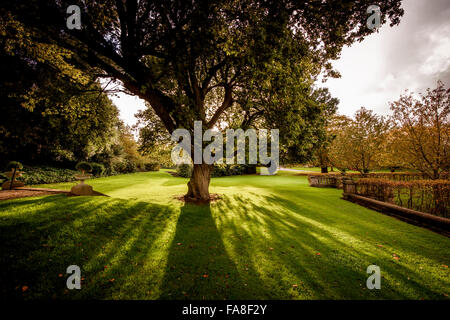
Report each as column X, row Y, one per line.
column 429, row 221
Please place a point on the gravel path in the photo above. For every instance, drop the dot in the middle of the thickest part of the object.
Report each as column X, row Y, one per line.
column 14, row 194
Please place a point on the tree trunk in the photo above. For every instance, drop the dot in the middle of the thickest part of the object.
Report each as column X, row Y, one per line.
column 12, row 178
column 198, row 185
column 324, row 169
column 435, row 174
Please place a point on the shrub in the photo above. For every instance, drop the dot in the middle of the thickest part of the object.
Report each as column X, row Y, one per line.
column 119, row 167
column 110, row 171
column 151, row 166
column 431, row 196
column 220, row 170
column 3, row 178
column 42, row 175
column 184, row 170
column 98, row 169
column 84, row 167
column 125, row 166
column 14, row 165
column 130, row 166
column 250, row 169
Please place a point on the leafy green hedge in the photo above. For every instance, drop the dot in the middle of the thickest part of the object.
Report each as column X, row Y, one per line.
column 46, row 174
column 125, row 166
column 184, row 170
column 222, row 170
column 152, row 166
column 41, row 175
column 219, row 170
column 98, row 169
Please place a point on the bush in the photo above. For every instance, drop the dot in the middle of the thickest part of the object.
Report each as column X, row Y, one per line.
column 249, row 168
column 431, row 196
column 14, row 164
column 130, row 166
column 151, row 166
column 98, row 169
column 119, row 167
column 110, row 171
column 184, row 170
column 84, row 167
column 218, row 170
column 221, row 170
column 3, row 178
column 42, row 175
column 125, row 166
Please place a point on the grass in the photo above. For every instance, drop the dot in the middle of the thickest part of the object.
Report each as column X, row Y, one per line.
column 270, row 237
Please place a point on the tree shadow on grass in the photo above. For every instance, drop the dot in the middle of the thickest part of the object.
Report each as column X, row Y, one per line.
column 255, row 247
column 119, row 246
column 298, row 254
column 198, row 266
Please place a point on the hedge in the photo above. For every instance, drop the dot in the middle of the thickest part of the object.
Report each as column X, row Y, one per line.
column 125, row 166
column 430, row 196
column 46, row 174
column 335, row 179
column 98, row 169
column 152, row 166
column 219, row 170
column 184, row 170
column 42, row 175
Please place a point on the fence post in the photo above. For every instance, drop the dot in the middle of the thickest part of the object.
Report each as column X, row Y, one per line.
column 349, row 185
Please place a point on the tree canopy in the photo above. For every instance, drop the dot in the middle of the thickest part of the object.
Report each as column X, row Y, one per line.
column 53, row 110
column 422, row 135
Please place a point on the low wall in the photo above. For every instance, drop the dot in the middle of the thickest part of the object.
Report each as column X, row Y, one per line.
column 435, row 223
column 325, row 181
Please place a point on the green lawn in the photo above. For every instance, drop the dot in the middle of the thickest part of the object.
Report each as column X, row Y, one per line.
column 270, row 237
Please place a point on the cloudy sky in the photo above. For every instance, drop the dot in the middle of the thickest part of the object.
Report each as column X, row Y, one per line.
column 412, row 55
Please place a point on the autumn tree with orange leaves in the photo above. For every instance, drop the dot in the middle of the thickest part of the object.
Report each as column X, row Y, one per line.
column 423, row 130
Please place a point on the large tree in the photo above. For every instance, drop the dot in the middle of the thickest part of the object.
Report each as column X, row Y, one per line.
column 173, row 54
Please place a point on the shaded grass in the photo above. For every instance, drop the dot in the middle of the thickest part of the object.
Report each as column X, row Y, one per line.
column 270, row 237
